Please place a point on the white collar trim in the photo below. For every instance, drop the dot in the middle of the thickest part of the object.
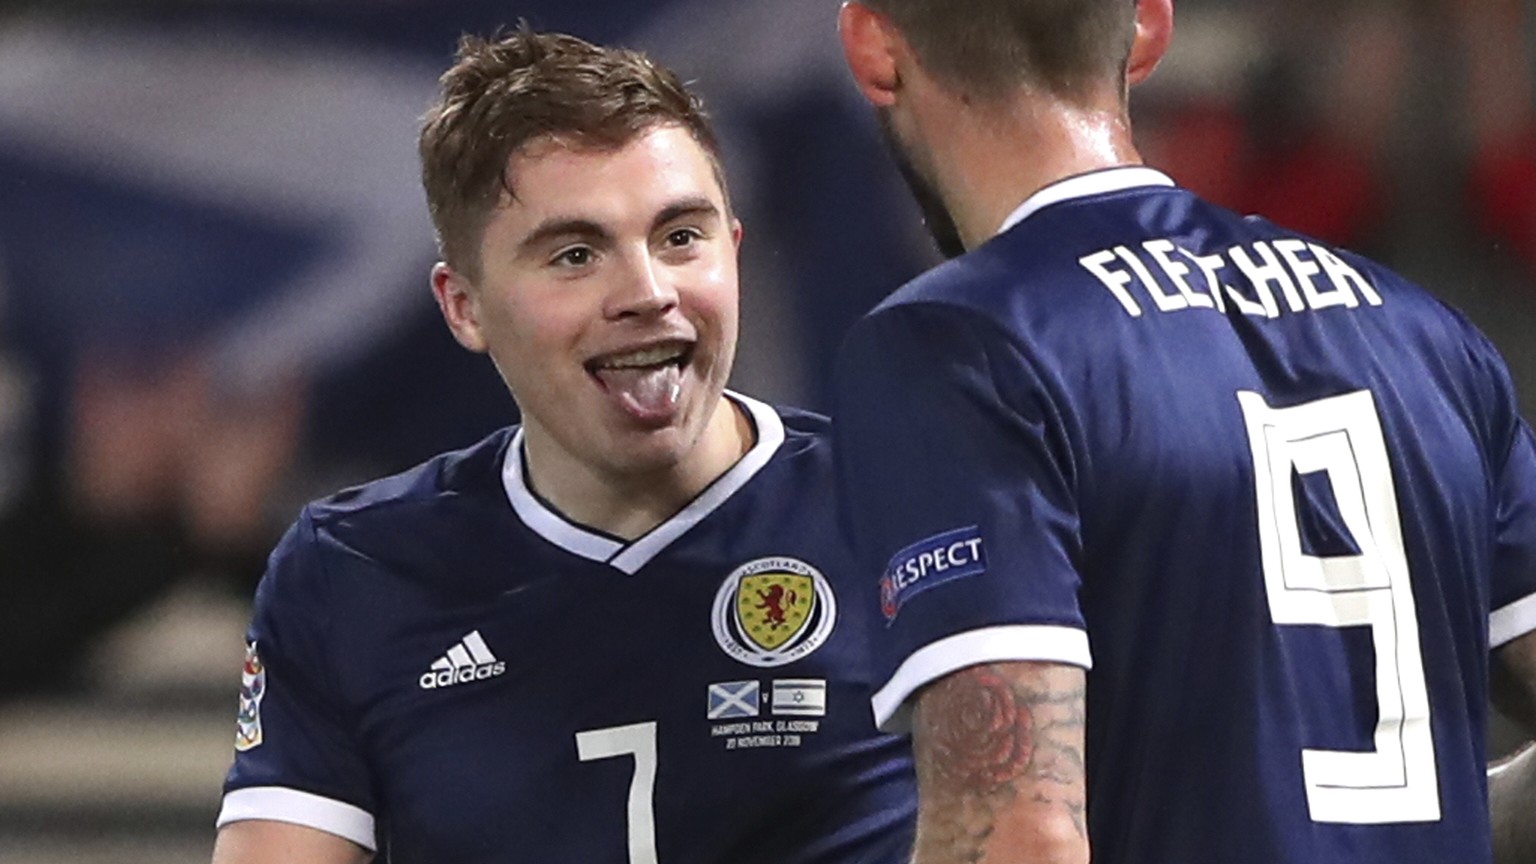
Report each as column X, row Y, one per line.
column 1084, row 185
column 630, row 557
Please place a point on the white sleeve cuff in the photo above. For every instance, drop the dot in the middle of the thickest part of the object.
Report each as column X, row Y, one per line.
column 280, row 804
column 1027, row 642
column 1512, row 621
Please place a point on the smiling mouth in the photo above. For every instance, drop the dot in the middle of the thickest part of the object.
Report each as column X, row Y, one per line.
column 646, row 382
column 673, row 353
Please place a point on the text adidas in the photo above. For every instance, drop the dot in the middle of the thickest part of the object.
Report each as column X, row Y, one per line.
column 461, row 675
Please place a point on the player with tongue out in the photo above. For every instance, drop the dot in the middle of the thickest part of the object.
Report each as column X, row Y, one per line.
column 605, row 290
column 623, row 630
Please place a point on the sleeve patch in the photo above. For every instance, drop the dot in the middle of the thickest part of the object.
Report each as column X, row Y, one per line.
column 253, row 686
column 930, row 563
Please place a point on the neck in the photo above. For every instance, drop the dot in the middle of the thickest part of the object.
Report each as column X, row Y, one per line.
column 990, row 157
column 629, row 503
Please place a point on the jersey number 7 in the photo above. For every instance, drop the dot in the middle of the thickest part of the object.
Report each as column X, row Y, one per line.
column 1341, row 435
column 637, row 740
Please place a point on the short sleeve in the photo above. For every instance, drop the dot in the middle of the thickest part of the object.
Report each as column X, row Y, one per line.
column 297, row 759
column 956, row 488
column 1513, row 590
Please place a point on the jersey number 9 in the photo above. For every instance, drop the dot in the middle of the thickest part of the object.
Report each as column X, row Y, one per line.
column 1396, row 781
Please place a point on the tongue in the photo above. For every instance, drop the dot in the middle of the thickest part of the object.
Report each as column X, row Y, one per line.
column 649, row 393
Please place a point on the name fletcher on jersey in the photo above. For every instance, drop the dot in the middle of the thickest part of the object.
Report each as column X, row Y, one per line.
column 1291, row 265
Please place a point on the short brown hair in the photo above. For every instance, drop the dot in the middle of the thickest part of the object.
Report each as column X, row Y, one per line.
column 505, row 92
column 994, row 47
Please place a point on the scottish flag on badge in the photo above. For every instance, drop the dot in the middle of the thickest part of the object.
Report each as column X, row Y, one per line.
column 733, row 699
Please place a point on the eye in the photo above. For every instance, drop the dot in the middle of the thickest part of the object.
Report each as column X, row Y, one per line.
column 683, row 237
column 575, row 256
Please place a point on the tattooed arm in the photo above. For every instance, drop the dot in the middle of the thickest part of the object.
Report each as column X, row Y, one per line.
column 999, row 752
column 1512, row 785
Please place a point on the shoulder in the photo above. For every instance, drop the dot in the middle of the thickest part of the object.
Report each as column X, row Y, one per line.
column 403, row 523
column 793, row 456
column 803, row 428
column 472, row 472
column 357, row 557
column 1417, row 312
column 951, row 328
column 794, row 436
column 964, row 283
column 1027, row 287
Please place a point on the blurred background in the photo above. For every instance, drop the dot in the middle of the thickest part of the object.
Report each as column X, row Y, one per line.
column 214, row 302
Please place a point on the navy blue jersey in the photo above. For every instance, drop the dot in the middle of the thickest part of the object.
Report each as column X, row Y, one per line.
column 443, row 668
column 1277, row 499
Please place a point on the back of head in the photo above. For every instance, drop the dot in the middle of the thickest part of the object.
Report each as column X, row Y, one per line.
column 507, row 92
column 992, row 48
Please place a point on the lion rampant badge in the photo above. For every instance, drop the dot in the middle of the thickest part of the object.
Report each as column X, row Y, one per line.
column 773, row 611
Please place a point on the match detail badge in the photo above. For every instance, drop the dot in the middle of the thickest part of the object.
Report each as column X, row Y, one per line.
column 796, row 705
column 773, row 611
column 253, row 686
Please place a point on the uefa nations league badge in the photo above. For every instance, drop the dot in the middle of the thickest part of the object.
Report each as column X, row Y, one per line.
column 253, row 686
column 773, row 611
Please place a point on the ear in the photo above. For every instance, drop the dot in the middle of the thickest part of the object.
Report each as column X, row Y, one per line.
column 870, row 46
column 1154, row 32
column 456, row 299
column 736, row 233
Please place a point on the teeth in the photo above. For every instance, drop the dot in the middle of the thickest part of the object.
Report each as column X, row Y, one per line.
column 644, row 357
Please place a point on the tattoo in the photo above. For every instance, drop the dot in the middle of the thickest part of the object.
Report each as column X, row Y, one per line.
column 998, row 748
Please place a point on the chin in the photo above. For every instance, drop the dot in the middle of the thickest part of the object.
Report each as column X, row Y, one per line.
column 652, row 453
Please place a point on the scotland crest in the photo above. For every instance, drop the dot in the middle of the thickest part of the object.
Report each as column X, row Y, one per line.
column 773, row 611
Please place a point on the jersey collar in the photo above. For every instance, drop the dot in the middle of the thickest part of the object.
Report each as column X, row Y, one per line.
column 629, row 557
column 1086, row 185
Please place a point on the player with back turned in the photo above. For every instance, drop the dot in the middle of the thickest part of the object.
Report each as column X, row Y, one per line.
column 1195, row 538
column 616, row 632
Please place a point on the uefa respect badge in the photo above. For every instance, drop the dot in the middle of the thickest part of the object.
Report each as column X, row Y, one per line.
column 928, row 564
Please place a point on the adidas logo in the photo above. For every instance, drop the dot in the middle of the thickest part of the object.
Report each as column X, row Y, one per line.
column 470, row 660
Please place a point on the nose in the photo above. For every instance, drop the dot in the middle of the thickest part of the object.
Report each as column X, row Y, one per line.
column 642, row 288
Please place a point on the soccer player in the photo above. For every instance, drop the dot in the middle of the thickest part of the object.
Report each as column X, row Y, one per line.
column 1193, row 536
column 617, row 632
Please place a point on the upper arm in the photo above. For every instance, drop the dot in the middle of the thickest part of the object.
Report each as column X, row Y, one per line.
column 1512, row 589
column 1512, row 784
column 1513, row 681
column 1000, row 769
column 957, row 483
column 1512, row 624
column 298, row 759
column 261, row 841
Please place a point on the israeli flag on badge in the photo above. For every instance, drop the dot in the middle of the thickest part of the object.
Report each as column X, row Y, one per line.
column 804, row 697
column 729, row 700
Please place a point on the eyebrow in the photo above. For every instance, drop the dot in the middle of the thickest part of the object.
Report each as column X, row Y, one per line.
column 562, row 227
column 695, row 206
column 558, row 226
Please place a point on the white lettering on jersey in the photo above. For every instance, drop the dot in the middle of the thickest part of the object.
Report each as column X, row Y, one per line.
column 1288, row 269
column 936, row 560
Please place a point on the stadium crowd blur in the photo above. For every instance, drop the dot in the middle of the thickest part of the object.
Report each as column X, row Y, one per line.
column 213, row 249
